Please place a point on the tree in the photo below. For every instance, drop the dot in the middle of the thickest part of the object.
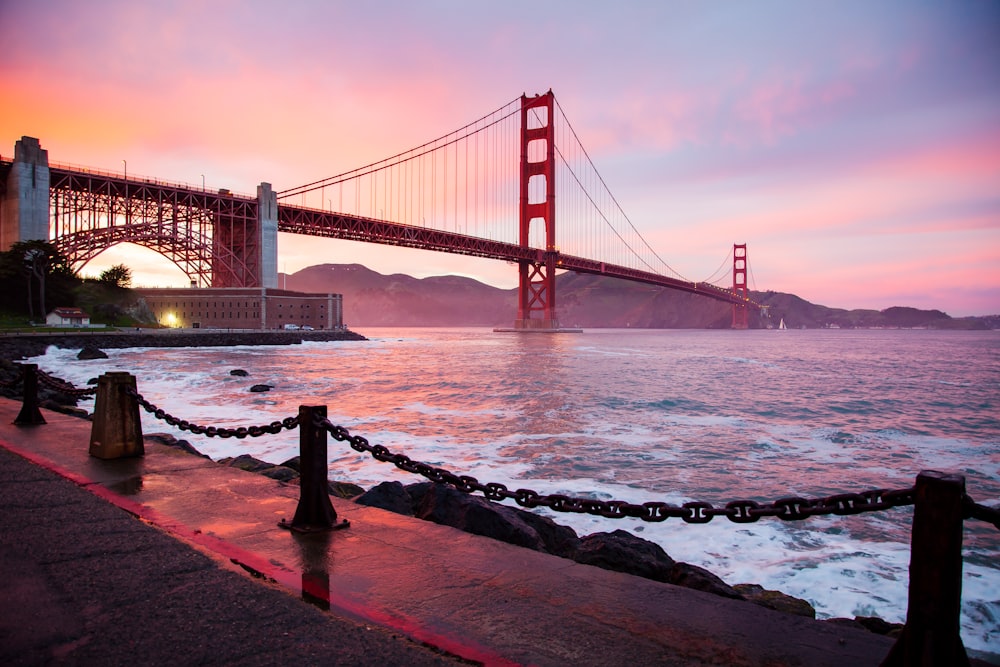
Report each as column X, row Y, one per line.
column 37, row 262
column 118, row 275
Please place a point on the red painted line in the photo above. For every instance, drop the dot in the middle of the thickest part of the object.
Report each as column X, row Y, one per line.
column 263, row 567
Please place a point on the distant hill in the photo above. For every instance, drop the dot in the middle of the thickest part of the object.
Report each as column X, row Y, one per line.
column 373, row 299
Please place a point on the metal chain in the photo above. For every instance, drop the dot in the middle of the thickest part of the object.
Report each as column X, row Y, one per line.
column 974, row 510
column 792, row 508
column 738, row 511
column 273, row 428
column 62, row 386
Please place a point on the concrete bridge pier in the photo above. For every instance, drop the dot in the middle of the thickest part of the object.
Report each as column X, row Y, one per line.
column 267, row 223
column 24, row 206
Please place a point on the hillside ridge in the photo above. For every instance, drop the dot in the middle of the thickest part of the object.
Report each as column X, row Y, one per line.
column 375, row 299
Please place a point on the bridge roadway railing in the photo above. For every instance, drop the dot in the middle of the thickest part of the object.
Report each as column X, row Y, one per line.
column 930, row 635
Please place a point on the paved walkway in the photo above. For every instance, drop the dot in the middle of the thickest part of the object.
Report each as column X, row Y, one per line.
column 86, row 583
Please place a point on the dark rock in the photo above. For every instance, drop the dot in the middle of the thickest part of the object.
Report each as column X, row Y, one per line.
column 345, row 490
column 91, row 352
column 446, row 505
column 842, row 622
column 23, row 346
column 239, row 372
column 700, row 579
column 258, row 388
column 280, row 473
column 776, row 600
column 171, row 441
column 246, row 462
column 71, row 410
column 293, row 463
column 389, row 496
column 623, row 552
column 879, row 626
column 92, row 381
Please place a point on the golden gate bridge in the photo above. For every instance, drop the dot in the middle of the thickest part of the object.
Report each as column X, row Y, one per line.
column 493, row 188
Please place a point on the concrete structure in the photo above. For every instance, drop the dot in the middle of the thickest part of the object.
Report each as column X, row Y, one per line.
column 68, row 317
column 244, row 308
column 267, row 232
column 24, row 206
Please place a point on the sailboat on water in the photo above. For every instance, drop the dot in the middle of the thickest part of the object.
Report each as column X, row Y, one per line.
column 781, row 325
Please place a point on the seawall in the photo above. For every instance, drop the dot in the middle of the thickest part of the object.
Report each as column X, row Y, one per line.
column 22, row 345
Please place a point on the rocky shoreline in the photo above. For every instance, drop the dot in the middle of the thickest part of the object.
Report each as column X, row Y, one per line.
column 619, row 550
column 22, row 346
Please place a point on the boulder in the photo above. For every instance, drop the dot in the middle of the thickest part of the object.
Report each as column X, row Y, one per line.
column 70, row 410
column 246, row 462
column 776, row 600
column 171, row 441
column 623, row 552
column 280, row 473
column 239, row 372
column 880, row 626
column 91, row 352
column 448, row 506
column 258, row 388
column 389, row 496
column 293, row 463
column 700, row 579
column 345, row 490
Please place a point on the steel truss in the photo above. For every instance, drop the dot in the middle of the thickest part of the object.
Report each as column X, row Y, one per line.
column 211, row 237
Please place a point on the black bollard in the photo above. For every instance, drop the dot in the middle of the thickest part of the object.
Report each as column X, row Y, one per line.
column 931, row 635
column 29, row 415
column 315, row 511
column 116, row 431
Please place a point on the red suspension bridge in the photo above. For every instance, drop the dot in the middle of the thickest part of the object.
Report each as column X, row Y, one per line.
column 488, row 189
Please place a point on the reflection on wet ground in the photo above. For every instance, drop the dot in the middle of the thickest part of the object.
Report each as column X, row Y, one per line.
column 314, row 554
column 127, row 487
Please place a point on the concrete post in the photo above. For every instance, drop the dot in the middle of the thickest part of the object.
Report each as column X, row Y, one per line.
column 267, row 228
column 116, row 431
column 24, row 208
column 931, row 635
column 29, row 415
column 315, row 511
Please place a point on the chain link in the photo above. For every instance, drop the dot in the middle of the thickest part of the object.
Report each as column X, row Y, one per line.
column 792, row 508
column 737, row 511
column 273, row 428
column 974, row 510
column 63, row 386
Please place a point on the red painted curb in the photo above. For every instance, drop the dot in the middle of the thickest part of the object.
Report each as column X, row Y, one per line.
column 263, row 567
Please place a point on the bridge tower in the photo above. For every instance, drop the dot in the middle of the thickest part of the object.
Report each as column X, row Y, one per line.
column 740, row 285
column 24, row 205
column 536, row 297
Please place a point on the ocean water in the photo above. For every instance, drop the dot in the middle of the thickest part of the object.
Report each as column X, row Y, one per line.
column 640, row 416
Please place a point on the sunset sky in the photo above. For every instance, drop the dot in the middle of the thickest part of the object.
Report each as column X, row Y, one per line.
column 854, row 146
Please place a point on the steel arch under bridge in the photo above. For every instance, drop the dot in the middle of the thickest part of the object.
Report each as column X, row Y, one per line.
column 212, row 237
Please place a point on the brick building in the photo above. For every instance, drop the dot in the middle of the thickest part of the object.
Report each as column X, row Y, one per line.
column 243, row 308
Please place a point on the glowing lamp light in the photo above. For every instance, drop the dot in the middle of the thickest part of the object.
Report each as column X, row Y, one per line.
column 170, row 319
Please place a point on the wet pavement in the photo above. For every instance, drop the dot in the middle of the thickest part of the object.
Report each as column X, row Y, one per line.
column 206, row 576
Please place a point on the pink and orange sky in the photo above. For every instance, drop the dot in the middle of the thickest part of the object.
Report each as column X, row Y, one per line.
column 854, row 146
